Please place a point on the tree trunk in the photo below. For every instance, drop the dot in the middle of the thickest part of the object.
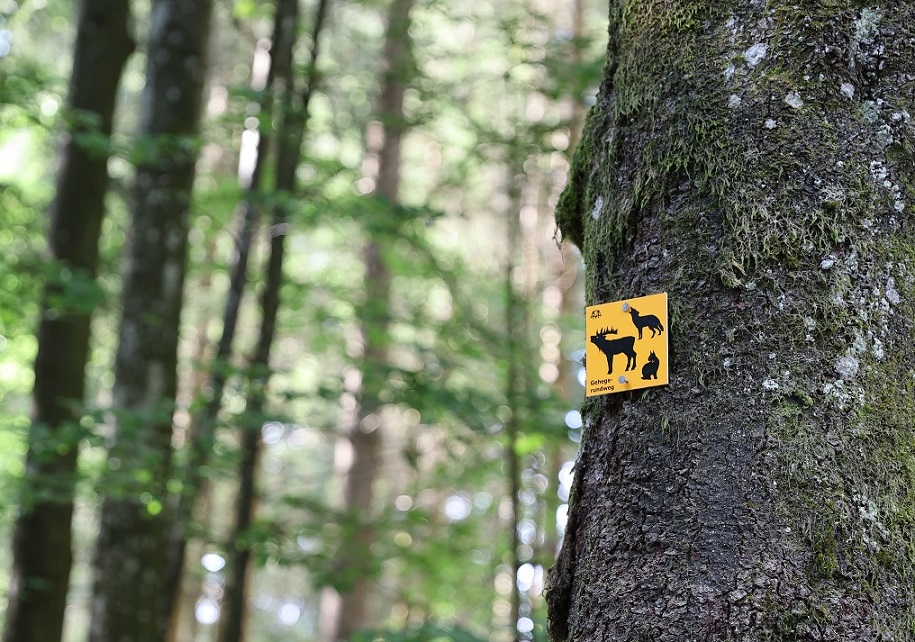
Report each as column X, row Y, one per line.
column 42, row 550
column 130, row 549
column 182, row 619
column 754, row 161
column 366, row 432
column 203, row 432
column 290, row 133
column 516, row 328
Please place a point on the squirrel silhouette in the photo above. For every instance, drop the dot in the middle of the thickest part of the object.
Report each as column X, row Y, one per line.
column 649, row 321
column 650, row 369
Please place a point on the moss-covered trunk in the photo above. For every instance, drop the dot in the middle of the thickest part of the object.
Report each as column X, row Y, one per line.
column 755, row 161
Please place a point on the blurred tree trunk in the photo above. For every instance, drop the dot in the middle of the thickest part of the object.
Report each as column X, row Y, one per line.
column 182, row 623
column 366, row 431
column 203, row 429
column 42, row 549
column 233, row 612
column 755, row 161
column 516, row 328
column 566, row 272
column 130, row 552
column 289, row 134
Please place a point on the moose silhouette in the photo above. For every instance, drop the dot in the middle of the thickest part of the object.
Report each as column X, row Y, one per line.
column 649, row 321
column 611, row 347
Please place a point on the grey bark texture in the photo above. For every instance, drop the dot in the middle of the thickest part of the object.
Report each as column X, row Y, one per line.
column 42, row 549
column 129, row 556
column 754, row 161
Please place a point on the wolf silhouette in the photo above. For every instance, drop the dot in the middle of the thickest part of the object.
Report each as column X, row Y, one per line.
column 649, row 321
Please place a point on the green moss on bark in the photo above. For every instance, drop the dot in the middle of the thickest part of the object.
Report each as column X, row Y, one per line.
column 749, row 127
column 772, row 151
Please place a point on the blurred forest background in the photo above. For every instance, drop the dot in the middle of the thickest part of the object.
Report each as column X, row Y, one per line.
column 389, row 456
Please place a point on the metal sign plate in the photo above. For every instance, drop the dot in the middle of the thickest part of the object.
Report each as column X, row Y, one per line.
column 627, row 345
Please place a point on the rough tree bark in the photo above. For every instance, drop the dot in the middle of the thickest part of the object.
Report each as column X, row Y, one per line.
column 130, row 552
column 42, row 550
column 755, row 161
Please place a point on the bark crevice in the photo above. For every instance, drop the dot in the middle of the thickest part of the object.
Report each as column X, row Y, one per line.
column 739, row 164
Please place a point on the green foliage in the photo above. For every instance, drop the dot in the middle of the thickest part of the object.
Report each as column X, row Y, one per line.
column 23, row 197
column 424, row 633
column 572, row 67
column 441, row 525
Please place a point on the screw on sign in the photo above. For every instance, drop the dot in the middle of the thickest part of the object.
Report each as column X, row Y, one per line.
column 627, row 345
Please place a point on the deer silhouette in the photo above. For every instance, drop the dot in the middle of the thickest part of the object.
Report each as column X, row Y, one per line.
column 611, row 347
column 649, row 321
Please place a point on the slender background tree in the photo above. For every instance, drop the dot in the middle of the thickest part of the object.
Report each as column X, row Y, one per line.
column 42, row 550
column 130, row 551
column 472, row 128
column 366, row 431
column 293, row 118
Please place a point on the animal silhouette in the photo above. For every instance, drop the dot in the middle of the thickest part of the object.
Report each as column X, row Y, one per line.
column 611, row 347
column 650, row 369
column 649, row 321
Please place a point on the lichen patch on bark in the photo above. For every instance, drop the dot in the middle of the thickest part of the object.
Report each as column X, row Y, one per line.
column 755, row 161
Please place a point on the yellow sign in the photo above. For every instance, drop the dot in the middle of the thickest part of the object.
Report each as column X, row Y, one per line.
column 627, row 345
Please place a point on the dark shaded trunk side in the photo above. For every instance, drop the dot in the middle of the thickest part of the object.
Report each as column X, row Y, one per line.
column 755, row 162
column 42, row 550
column 130, row 550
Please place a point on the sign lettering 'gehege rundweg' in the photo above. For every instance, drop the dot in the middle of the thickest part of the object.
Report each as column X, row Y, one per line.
column 627, row 345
